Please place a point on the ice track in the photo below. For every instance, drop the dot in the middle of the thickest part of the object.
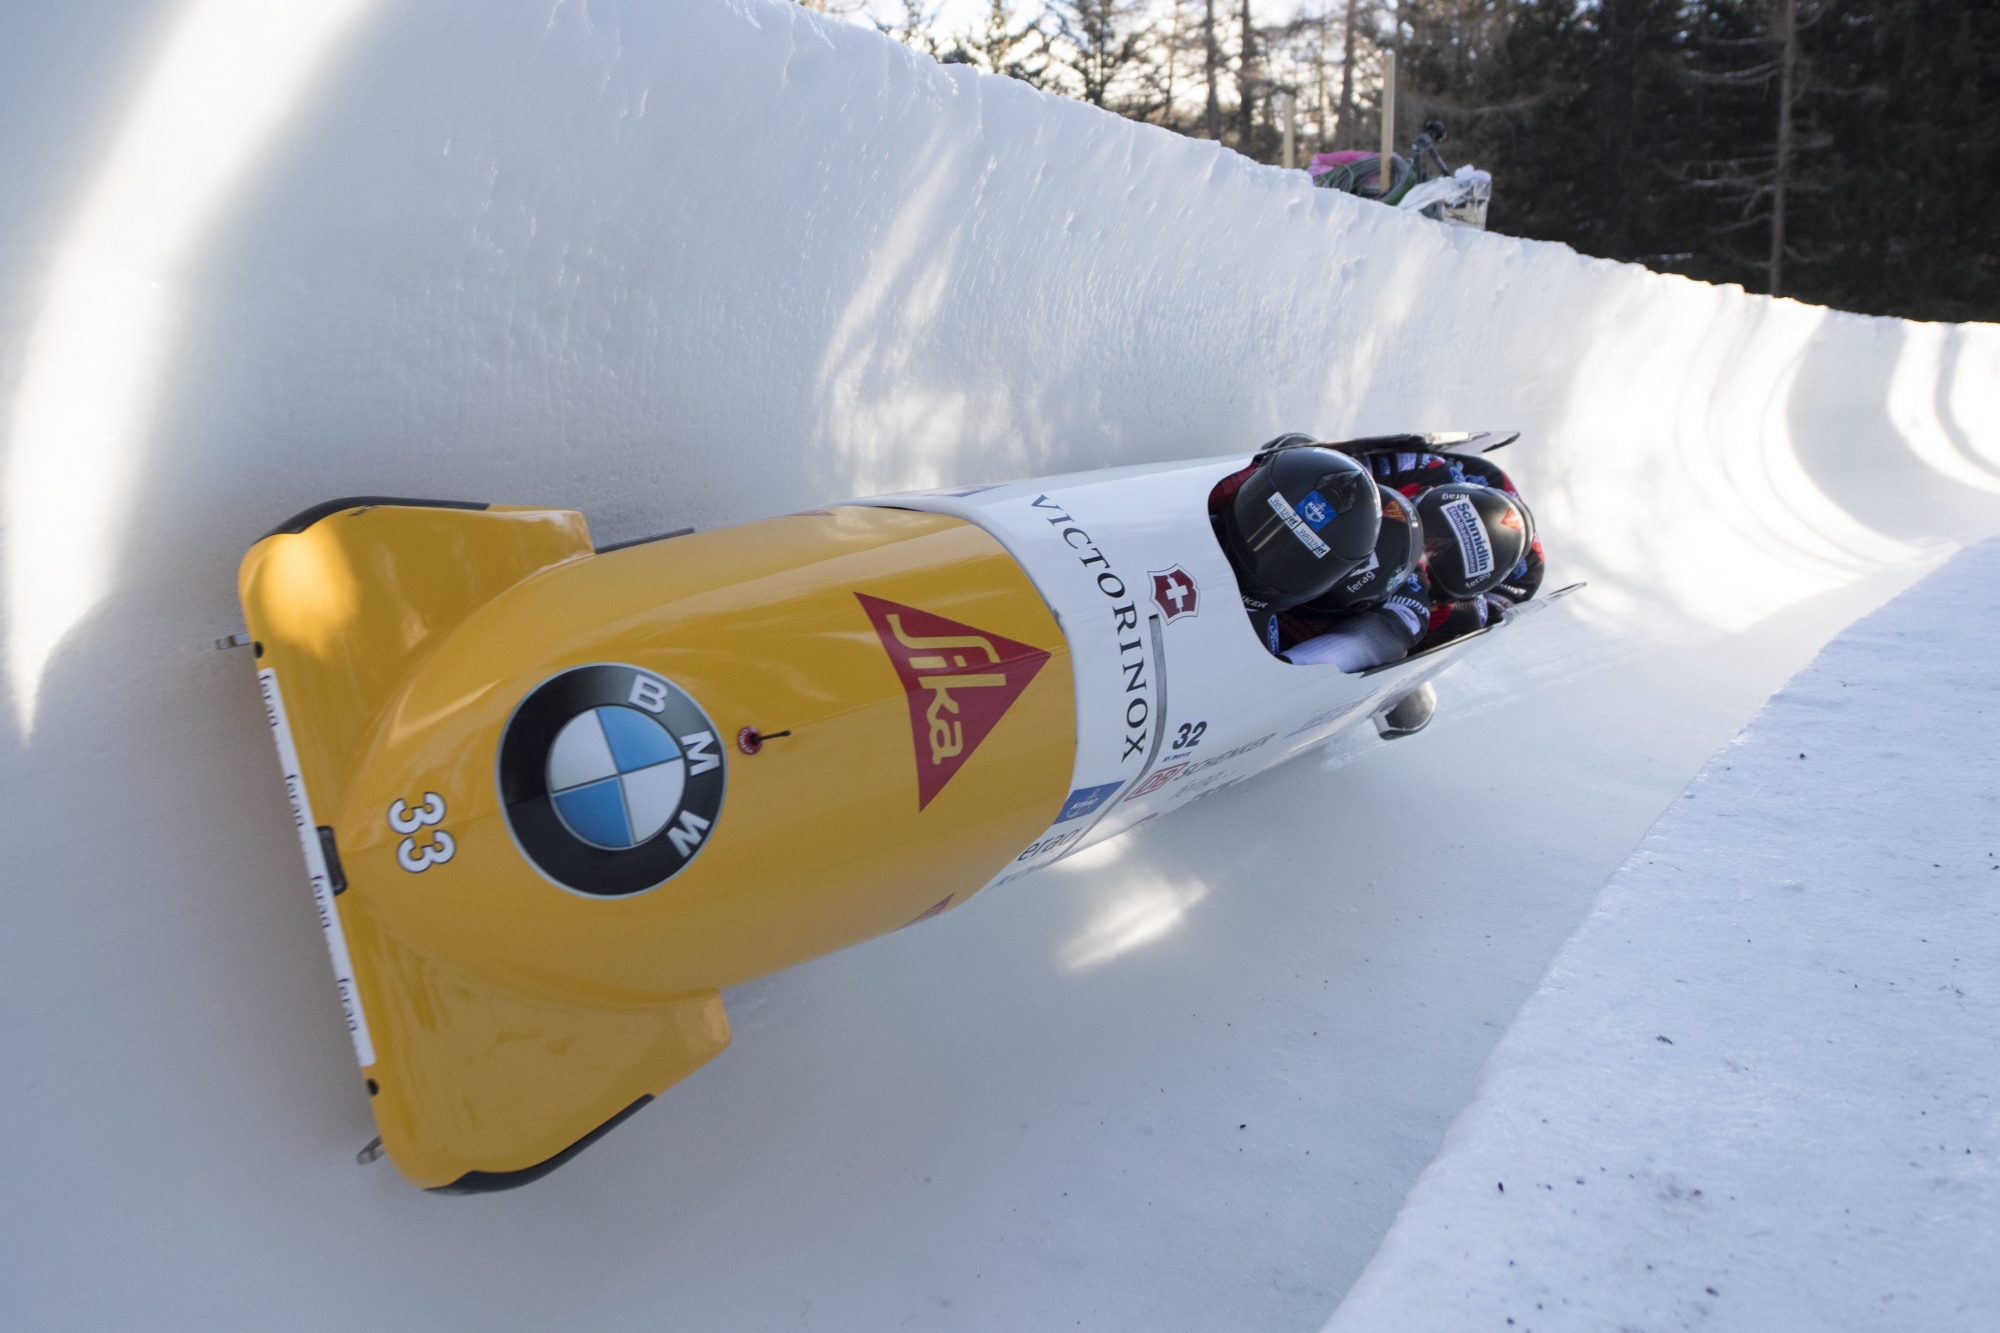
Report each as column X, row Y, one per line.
column 693, row 262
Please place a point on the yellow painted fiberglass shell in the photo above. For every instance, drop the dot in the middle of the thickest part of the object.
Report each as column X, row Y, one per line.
column 531, row 924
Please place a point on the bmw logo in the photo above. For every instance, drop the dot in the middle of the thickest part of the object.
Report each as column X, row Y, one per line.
column 612, row 779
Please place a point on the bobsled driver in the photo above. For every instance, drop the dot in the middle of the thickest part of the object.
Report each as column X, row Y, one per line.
column 1430, row 545
column 1297, row 520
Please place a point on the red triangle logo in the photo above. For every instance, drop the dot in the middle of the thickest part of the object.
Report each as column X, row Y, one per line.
column 960, row 681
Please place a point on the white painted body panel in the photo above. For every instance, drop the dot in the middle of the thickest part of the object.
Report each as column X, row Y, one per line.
column 1169, row 707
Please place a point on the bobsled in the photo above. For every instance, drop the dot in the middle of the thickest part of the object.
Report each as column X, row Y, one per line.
column 554, row 800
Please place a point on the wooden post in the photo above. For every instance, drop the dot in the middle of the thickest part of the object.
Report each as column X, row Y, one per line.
column 1781, row 177
column 1387, row 176
column 1288, row 114
column 1343, row 125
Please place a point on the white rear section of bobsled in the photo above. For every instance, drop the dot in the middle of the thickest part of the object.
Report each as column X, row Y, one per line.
column 1176, row 697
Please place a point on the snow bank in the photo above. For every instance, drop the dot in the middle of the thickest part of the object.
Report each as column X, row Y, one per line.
column 1757, row 1089
column 694, row 261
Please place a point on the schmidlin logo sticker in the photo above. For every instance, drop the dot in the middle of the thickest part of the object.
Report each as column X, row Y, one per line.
column 1473, row 546
column 1176, row 593
column 611, row 778
column 960, row 681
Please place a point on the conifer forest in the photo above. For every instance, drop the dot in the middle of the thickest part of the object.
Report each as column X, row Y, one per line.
column 1842, row 152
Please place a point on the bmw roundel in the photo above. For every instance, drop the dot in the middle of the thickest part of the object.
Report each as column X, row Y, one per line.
column 612, row 779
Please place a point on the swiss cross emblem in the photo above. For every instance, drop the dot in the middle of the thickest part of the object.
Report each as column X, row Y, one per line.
column 1175, row 592
column 960, row 681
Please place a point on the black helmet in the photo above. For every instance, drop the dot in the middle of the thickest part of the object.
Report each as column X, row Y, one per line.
column 1473, row 537
column 1289, row 440
column 1306, row 516
column 1397, row 550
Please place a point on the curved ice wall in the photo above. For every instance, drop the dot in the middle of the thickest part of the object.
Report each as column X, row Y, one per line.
column 702, row 261
column 698, row 261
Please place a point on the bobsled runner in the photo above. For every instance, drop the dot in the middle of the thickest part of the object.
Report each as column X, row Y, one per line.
column 553, row 800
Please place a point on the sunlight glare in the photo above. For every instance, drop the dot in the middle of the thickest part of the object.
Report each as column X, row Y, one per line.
column 226, row 79
column 1138, row 913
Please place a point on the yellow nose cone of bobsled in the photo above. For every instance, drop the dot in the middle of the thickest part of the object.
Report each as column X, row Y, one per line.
column 541, row 849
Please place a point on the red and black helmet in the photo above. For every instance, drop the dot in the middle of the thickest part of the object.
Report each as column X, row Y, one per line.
column 1398, row 547
column 1474, row 536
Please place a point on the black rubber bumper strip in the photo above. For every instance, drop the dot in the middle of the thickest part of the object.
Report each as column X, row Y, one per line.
column 641, row 541
column 491, row 1182
column 305, row 518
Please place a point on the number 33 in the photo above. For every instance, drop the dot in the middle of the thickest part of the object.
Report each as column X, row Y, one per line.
column 441, row 847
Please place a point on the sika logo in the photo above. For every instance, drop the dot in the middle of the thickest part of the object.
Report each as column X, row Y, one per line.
column 960, row 681
column 1176, row 593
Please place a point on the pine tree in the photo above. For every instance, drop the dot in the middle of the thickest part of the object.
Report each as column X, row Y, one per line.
column 1906, row 217
column 1102, row 43
column 1019, row 52
column 1845, row 152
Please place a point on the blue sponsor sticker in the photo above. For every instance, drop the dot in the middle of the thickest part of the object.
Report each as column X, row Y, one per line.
column 1316, row 511
column 1086, row 800
column 1271, row 633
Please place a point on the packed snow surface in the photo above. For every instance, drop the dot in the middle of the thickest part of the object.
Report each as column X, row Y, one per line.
column 1757, row 1089
column 691, row 262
